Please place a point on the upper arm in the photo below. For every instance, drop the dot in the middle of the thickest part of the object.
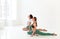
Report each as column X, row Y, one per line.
column 34, row 25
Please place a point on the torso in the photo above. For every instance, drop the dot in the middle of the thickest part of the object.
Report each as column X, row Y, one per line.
column 30, row 21
column 33, row 23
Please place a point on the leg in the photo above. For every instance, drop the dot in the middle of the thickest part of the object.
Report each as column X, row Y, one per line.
column 42, row 29
column 29, row 33
column 25, row 29
column 45, row 34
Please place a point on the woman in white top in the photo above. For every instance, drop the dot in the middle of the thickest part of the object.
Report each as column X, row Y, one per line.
column 30, row 22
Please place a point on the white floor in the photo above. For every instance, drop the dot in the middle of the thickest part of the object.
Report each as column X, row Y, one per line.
column 17, row 33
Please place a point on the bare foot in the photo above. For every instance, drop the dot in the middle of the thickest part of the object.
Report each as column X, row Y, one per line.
column 25, row 29
column 54, row 34
column 44, row 29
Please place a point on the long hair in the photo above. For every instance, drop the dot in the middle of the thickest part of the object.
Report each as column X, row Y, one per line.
column 31, row 16
column 35, row 20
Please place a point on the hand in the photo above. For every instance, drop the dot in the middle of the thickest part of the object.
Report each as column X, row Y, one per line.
column 31, row 35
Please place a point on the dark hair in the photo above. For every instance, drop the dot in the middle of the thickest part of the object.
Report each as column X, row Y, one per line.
column 35, row 18
column 35, row 22
column 31, row 16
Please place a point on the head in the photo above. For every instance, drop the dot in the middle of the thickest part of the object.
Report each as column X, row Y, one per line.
column 34, row 19
column 30, row 16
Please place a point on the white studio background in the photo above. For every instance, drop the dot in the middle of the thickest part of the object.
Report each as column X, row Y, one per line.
column 8, row 12
column 15, row 13
column 46, row 11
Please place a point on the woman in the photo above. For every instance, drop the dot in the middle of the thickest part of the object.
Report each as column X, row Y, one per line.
column 30, row 22
column 30, row 17
column 34, row 31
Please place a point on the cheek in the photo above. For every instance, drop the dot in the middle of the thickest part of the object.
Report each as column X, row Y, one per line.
column 33, row 19
column 29, row 17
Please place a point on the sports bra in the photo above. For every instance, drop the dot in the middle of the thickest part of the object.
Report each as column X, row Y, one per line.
column 33, row 25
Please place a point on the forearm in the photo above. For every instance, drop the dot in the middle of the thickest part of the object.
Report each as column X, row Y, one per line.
column 29, row 23
column 34, row 30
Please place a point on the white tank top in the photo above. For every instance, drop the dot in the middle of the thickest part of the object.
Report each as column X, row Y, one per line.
column 30, row 21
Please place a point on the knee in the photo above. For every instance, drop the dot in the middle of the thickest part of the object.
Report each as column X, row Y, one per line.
column 30, row 33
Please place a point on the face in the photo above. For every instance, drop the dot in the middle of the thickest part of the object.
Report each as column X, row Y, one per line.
column 33, row 19
column 28, row 17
